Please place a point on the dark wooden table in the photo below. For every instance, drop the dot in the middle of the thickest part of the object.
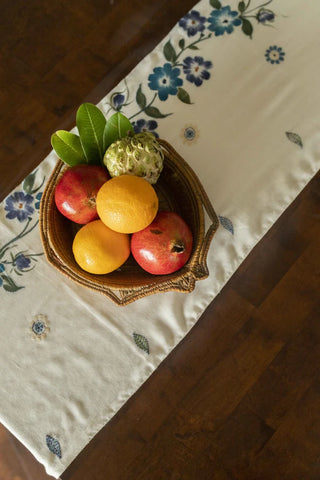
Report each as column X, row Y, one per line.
column 239, row 398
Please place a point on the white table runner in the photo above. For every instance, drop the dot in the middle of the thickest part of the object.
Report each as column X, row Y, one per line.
column 234, row 88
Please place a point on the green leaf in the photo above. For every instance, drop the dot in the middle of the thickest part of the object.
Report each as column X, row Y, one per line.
column 193, row 47
column 215, row 4
column 91, row 123
column 241, row 7
column 247, row 27
column 181, row 43
column 29, row 182
column 154, row 112
column 9, row 285
column 295, row 138
column 118, row 126
column 183, row 95
column 141, row 342
column 68, row 147
column 169, row 52
column 141, row 98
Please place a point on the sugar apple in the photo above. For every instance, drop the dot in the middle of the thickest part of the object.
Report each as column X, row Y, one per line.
column 139, row 155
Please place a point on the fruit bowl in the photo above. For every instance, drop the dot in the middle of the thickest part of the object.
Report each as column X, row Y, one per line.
column 179, row 190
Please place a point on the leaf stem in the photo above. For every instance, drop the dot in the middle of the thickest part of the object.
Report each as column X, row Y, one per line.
column 143, row 109
column 260, row 6
column 201, row 39
column 24, row 232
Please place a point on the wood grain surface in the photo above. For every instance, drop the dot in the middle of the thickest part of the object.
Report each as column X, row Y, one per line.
column 239, row 397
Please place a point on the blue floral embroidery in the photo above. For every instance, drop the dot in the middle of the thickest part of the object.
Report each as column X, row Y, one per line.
column 165, row 80
column 39, row 327
column 193, row 23
column 19, row 205
column 142, row 125
column 274, row 55
column 53, row 445
column 223, row 20
column 264, row 15
column 22, row 262
column 118, row 100
column 38, row 198
column 196, row 69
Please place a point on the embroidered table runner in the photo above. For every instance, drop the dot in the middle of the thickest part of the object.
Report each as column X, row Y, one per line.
column 234, row 88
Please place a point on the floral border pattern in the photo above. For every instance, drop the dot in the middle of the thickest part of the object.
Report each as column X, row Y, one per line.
column 22, row 206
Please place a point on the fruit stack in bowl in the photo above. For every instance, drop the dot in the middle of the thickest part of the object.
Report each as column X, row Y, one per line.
column 108, row 190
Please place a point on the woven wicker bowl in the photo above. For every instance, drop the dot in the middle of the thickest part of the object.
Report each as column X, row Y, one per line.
column 179, row 190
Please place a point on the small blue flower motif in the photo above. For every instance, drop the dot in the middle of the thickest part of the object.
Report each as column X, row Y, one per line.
column 142, row 125
column 196, row 69
column 22, row 262
column 39, row 327
column 223, row 20
column 117, row 100
column 193, row 23
column 38, row 198
column 274, row 55
column 19, row 205
column 2, row 267
column 264, row 15
column 189, row 134
column 165, row 80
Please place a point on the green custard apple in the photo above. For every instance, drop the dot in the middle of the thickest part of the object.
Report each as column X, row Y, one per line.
column 139, row 155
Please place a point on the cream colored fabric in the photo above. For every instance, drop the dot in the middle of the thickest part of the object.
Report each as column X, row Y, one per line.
column 251, row 134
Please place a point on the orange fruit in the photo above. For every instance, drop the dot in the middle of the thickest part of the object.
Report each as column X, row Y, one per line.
column 127, row 203
column 98, row 249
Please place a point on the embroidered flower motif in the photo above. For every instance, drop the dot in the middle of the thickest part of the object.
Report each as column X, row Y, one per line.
column 38, row 198
column 165, row 80
column 196, row 69
column 40, row 327
column 189, row 134
column 264, row 15
column 145, row 126
column 2, row 268
column 223, row 20
column 19, row 205
column 22, row 262
column 193, row 23
column 53, row 445
column 274, row 55
column 117, row 101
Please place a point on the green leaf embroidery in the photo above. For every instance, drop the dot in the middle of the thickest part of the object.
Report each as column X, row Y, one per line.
column 91, row 123
column 295, row 138
column 29, row 182
column 215, row 4
column 183, row 95
column 169, row 52
column 181, row 43
column 141, row 98
column 67, row 145
column 193, row 47
column 118, row 126
column 155, row 112
column 247, row 27
column 241, row 7
column 9, row 285
column 141, row 342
